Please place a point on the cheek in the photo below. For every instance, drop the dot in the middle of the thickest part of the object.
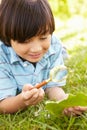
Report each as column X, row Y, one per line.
column 20, row 50
column 47, row 44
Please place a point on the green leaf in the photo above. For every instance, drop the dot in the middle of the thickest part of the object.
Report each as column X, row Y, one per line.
column 57, row 107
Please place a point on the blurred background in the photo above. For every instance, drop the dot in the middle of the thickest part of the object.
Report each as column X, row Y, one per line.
column 71, row 21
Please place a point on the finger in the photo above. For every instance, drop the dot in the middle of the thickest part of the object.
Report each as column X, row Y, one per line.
column 32, row 100
column 27, row 87
column 29, row 94
column 77, row 111
column 79, row 108
column 67, row 113
column 72, row 112
column 36, row 98
column 41, row 93
column 40, row 96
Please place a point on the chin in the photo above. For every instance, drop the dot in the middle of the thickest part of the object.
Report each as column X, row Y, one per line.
column 34, row 61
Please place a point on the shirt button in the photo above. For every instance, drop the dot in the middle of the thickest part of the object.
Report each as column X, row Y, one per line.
column 25, row 65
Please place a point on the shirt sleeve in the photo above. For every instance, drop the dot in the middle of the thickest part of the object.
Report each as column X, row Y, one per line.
column 56, row 60
column 8, row 85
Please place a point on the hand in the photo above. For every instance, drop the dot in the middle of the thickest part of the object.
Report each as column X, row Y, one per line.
column 75, row 111
column 31, row 95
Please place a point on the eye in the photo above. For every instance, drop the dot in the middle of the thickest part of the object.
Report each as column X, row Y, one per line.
column 43, row 38
column 28, row 41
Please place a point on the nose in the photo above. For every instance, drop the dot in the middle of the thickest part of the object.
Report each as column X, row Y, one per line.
column 36, row 48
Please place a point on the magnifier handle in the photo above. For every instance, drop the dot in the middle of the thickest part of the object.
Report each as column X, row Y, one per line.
column 41, row 84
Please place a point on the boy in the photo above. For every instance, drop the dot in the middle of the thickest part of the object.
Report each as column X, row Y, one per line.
column 28, row 51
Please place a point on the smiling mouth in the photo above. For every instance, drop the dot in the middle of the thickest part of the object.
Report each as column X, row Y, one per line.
column 35, row 56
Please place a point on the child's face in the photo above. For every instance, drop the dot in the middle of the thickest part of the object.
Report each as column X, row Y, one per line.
column 33, row 49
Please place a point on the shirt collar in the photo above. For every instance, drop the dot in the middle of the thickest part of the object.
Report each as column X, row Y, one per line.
column 13, row 56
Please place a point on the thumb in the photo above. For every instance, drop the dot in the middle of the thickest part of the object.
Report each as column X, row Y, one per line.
column 27, row 87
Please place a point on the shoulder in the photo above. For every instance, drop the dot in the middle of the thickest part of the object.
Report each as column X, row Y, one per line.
column 1, row 44
column 56, row 43
column 4, row 52
column 55, row 40
column 3, row 47
column 55, row 48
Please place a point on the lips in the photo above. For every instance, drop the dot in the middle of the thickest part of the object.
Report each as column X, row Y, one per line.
column 35, row 56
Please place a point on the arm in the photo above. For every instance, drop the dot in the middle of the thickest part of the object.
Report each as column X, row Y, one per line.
column 55, row 93
column 75, row 111
column 12, row 104
column 29, row 96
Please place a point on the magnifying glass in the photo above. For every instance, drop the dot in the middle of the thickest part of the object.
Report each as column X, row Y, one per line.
column 57, row 74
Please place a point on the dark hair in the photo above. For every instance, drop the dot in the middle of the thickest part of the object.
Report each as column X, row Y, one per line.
column 22, row 19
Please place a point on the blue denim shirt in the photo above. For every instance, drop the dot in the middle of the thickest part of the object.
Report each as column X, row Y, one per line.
column 14, row 73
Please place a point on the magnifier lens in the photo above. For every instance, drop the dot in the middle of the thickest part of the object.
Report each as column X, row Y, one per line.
column 59, row 75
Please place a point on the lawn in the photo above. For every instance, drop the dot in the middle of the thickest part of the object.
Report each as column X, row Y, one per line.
column 73, row 34
column 38, row 118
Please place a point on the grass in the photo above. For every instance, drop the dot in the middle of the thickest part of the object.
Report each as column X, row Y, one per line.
column 38, row 118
